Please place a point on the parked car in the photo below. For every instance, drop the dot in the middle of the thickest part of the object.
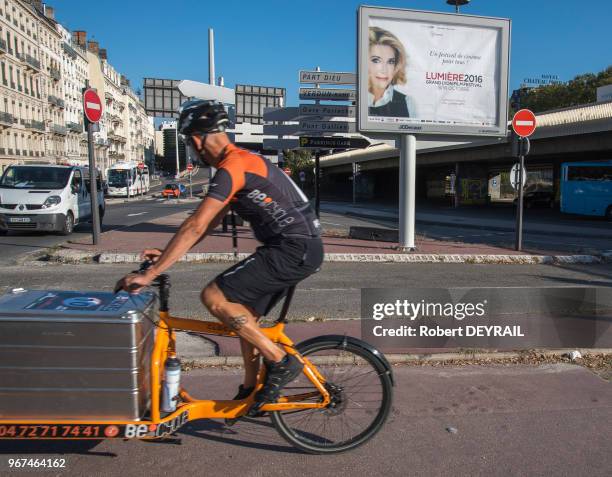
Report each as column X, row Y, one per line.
column 175, row 190
column 538, row 198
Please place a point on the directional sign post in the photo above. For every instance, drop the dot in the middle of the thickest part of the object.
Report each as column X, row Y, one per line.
column 524, row 124
column 92, row 109
column 141, row 168
column 189, row 169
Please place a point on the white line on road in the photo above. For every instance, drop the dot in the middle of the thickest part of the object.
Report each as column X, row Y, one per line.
column 139, row 213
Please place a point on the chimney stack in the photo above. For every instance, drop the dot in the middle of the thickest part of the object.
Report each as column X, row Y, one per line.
column 80, row 38
column 49, row 12
column 94, row 47
column 103, row 54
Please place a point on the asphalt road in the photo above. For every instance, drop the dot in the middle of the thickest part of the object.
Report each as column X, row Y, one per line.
column 333, row 293
column 119, row 213
column 447, row 421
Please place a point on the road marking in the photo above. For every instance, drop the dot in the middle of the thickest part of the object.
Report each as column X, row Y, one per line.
column 139, row 213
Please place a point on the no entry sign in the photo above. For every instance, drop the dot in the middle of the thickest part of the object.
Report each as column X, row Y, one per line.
column 524, row 123
column 190, row 167
column 92, row 106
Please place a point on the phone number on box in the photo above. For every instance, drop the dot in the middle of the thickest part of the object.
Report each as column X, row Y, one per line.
column 36, row 463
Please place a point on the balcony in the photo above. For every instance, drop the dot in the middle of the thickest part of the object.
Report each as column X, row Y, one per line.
column 3, row 48
column 102, row 142
column 7, row 120
column 20, row 56
column 36, row 125
column 32, row 63
column 55, row 73
column 60, row 130
column 56, row 101
column 71, row 52
column 74, row 127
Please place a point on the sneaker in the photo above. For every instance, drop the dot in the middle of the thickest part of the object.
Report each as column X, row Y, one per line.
column 278, row 375
column 243, row 393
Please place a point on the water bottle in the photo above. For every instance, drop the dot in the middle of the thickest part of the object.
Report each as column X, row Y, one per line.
column 172, row 378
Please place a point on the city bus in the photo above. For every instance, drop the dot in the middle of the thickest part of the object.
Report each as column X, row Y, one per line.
column 126, row 180
column 586, row 188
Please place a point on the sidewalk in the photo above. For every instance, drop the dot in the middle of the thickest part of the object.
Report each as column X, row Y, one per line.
column 157, row 232
column 502, row 219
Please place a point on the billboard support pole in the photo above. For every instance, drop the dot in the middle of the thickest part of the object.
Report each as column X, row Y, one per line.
column 407, row 185
column 519, row 213
column 317, row 183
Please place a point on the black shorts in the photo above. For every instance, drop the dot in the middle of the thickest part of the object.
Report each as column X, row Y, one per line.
column 262, row 279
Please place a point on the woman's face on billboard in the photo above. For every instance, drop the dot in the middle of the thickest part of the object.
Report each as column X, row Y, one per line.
column 382, row 67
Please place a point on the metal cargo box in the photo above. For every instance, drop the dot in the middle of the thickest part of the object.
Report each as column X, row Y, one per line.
column 75, row 355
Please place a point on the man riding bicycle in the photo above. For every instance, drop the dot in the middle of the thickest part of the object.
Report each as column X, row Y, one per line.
column 281, row 219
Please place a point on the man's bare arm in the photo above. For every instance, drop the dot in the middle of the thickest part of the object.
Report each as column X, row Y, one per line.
column 191, row 231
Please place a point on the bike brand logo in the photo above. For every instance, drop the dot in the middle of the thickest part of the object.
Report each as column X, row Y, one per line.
column 278, row 214
column 163, row 429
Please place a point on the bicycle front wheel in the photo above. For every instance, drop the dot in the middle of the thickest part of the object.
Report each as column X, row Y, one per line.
column 361, row 390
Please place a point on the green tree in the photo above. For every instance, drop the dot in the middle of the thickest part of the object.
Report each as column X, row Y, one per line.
column 580, row 90
column 298, row 160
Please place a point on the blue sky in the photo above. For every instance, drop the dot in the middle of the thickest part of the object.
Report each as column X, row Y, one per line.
column 268, row 41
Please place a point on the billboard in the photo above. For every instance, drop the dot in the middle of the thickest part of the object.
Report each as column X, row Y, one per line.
column 252, row 99
column 162, row 97
column 432, row 73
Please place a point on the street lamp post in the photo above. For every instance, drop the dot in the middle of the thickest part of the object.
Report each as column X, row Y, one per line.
column 457, row 3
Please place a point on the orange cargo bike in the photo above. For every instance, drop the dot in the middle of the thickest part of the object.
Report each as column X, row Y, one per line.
column 341, row 400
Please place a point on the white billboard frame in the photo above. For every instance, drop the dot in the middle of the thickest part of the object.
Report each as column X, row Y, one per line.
column 503, row 25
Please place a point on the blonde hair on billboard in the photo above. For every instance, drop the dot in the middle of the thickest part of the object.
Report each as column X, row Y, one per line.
column 378, row 36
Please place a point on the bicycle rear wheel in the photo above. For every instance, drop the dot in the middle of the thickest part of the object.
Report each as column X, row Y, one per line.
column 361, row 389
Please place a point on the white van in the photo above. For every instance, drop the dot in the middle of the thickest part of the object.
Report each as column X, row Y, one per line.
column 46, row 198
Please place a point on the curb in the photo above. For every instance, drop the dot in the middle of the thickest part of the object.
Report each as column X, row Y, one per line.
column 413, row 357
column 493, row 228
column 71, row 256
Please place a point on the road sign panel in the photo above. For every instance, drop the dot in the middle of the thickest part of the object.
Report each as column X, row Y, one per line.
column 309, row 142
column 141, row 165
column 514, row 175
column 524, row 123
column 327, row 126
column 92, row 106
column 190, row 167
column 330, row 94
column 280, row 144
column 281, row 114
column 327, row 110
column 281, row 129
column 327, row 77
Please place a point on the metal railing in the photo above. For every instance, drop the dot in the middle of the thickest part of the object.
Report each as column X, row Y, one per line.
column 74, row 127
column 3, row 48
column 33, row 62
column 56, row 101
column 38, row 125
column 7, row 118
column 55, row 73
column 58, row 129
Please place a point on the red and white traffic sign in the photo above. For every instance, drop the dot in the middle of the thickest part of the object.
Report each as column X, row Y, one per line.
column 92, row 106
column 524, row 123
column 190, row 167
column 141, row 165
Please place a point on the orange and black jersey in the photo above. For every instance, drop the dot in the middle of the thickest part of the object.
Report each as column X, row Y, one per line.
column 263, row 195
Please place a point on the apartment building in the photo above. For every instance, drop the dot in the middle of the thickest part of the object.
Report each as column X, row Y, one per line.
column 52, row 87
column 22, row 104
column 74, row 73
column 43, row 70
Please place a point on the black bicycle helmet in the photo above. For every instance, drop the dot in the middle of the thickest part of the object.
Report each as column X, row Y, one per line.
column 202, row 117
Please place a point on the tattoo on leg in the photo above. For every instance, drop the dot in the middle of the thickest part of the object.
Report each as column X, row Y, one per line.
column 237, row 323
